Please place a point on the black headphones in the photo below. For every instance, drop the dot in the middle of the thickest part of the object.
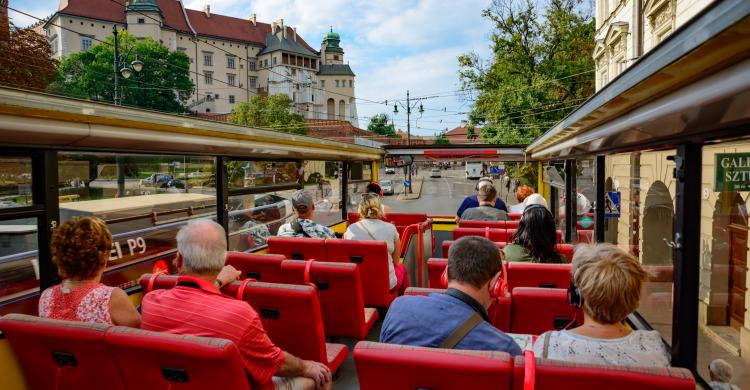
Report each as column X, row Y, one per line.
column 487, row 179
column 574, row 295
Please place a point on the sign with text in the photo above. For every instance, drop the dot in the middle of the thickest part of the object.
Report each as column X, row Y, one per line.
column 732, row 172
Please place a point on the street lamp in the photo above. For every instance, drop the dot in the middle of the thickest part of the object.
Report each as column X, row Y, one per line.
column 121, row 67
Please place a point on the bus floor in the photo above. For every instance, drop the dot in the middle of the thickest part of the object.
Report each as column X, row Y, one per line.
column 346, row 378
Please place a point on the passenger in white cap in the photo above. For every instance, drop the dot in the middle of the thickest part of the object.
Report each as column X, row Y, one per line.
column 303, row 224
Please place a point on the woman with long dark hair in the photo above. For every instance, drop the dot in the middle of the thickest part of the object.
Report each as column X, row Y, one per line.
column 535, row 238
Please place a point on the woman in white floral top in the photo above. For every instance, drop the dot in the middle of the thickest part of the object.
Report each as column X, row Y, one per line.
column 609, row 283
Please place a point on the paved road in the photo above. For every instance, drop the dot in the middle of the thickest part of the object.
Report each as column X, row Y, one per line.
column 440, row 196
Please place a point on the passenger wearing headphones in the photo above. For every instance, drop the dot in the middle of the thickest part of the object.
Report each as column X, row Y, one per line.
column 607, row 284
column 458, row 318
column 473, row 201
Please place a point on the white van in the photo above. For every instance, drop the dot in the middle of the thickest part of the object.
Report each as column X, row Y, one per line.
column 473, row 170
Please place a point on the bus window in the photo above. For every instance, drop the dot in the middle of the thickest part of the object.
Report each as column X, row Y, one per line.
column 585, row 172
column 724, row 321
column 247, row 174
column 646, row 189
column 15, row 182
column 19, row 267
column 144, row 199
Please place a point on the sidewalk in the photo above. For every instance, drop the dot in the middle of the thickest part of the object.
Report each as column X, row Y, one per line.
column 416, row 187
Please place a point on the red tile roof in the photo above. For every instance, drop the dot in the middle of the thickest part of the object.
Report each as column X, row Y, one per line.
column 218, row 26
column 459, row 135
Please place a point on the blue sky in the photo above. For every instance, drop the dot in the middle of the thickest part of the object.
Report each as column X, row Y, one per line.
column 392, row 45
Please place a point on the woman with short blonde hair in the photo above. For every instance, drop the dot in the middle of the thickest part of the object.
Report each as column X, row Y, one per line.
column 371, row 226
column 80, row 250
column 607, row 285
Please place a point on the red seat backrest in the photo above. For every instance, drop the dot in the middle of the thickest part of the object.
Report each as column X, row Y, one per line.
column 585, row 236
column 499, row 313
column 537, row 310
column 263, row 268
column 352, row 217
column 567, row 250
column 422, row 291
column 557, row 374
column 61, row 354
column 538, row 275
column 290, row 315
column 372, row 260
column 498, row 235
column 445, row 246
column 148, row 358
column 491, row 224
column 514, row 216
column 150, row 282
column 559, row 236
column 405, row 219
column 340, row 293
column 435, row 268
column 298, row 248
column 397, row 367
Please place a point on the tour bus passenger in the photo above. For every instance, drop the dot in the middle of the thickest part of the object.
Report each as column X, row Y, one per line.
column 720, row 374
column 374, row 188
column 534, row 199
column 521, row 194
column 486, row 210
column 303, row 224
column 372, row 227
column 607, row 284
column 458, row 318
column 472, row 201
column 197, row 307
column 535, row 238
column 80, row 250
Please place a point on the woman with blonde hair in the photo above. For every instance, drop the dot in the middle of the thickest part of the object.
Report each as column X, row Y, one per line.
column 80, row 250
column 372, row 227
column 607, row 284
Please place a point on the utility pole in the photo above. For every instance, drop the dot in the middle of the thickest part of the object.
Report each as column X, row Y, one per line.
column 116, row 64
column 408, row 132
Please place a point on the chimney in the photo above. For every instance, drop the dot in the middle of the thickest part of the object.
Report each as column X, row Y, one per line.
column 294, row 34
column 207, row 10
column 280, row 23
column 253, row 20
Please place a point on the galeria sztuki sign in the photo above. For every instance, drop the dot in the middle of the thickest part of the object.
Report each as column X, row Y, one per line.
column 732, row 172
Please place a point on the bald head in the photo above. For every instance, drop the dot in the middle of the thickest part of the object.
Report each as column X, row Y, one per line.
column 203, row 247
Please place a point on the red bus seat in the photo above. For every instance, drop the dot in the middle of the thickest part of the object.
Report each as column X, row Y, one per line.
column 151, row 282
column 263, row 268
column 422, row 290
column 585, row 236
column 291, row 316
column 340, row 293
column 405, row 219
column 536, row 310
column 372, row 260
column 153, row 360
column 562, row 375
column 538, row 275
column 401, row 367
column 499, row 312
column 567, row 250
column 447, row 244
column 498, row 235
column 352, row 218
column 490, row 224
column 515, row 216
column 298, row 248
column 57, row 354
column 435, row 268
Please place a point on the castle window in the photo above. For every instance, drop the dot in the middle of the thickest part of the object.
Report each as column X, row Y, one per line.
column 86, row 43
column 250, row 65
column 208, row 59
column 337, row 83
column 230, row 79
column 252, row 82
column 322, row 83
column 350, row 83
column 208, row 77
column 336, row 57
column 141, row 20
column 231, row 99
column 230, row 62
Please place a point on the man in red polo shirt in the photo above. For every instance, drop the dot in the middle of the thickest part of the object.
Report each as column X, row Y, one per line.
column 196, row 307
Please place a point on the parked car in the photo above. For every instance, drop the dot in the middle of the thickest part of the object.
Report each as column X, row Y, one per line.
column 156, row 179
column 175, row 183
column 435, row 172
column 390, row 170
column 387, row 187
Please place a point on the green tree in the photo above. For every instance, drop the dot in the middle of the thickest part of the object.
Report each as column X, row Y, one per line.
column 274, row 111
column 540, row 71
column 470, row 133
column 442, row 139
column 164, row 83
column 26, row 61
column 379, row 125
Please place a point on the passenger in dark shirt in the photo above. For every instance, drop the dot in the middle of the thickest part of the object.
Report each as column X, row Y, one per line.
column 486, row 210
column 474, row 266
column 472, row 200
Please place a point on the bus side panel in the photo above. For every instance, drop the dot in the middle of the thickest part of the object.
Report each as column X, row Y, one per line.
column 11, row 376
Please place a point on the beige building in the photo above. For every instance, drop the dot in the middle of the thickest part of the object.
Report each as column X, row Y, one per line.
column 231, row 59
column 628, row 29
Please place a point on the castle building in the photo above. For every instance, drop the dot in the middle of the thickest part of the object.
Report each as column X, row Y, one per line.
column 231, row 59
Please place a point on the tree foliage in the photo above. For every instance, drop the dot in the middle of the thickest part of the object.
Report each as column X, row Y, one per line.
column 540, row 70
column 442, row 139
column 379, row 125
column 26, row 60
column 274, row 111
column 164, row 83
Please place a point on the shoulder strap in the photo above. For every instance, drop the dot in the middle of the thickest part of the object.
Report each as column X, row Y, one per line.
column 362, row 225
column 461, row 332
column 545, row 350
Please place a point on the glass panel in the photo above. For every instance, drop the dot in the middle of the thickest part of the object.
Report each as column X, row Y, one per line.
column 144, row 199
column 253, row 218
column 15, row 182
column 19, row 267
column 724, row 323
column 245, row 174
column 585, row 172
column 644, row 227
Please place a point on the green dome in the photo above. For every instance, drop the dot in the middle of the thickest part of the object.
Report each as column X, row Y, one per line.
column 332, row 37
